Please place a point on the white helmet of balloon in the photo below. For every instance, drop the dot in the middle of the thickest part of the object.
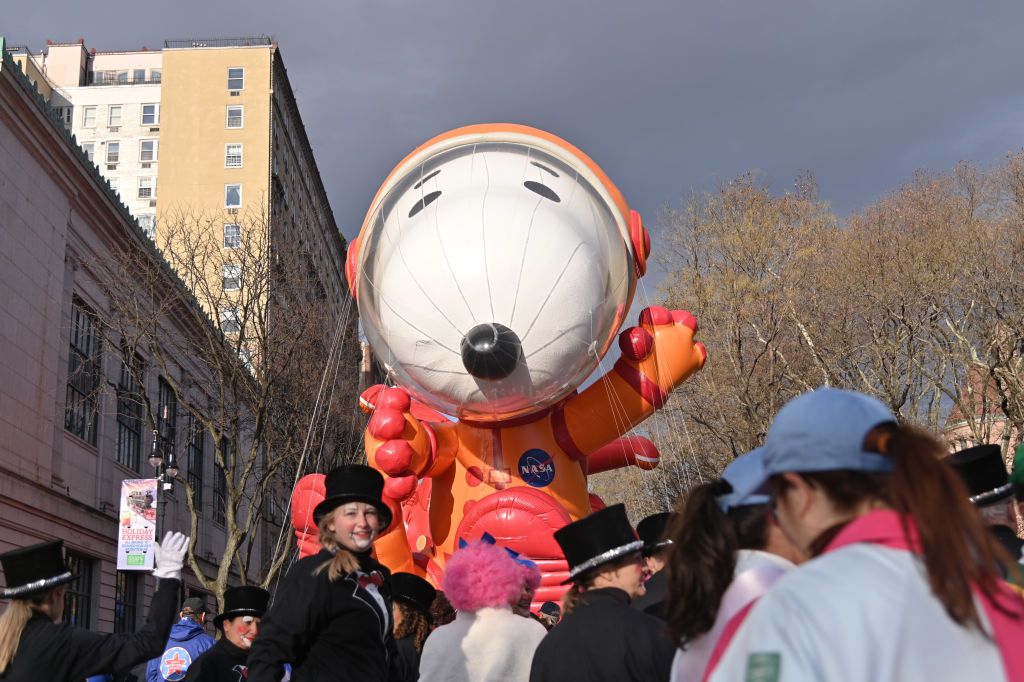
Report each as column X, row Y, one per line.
column 493, row 270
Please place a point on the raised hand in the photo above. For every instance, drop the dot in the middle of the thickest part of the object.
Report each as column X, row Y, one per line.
column 660, row 353
column 169, row 555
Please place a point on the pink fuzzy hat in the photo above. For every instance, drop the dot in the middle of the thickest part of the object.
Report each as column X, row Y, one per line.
column 480, row 575
column 529, row 574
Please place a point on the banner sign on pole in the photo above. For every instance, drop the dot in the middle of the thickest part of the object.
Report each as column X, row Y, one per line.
column 136, row 531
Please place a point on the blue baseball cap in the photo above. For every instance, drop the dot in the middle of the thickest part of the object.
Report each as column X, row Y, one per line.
column 745, row 475
column 824, row 430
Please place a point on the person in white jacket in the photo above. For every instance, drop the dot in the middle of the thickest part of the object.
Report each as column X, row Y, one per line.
column 904, row 583
column 487, row 641
column 726, row 551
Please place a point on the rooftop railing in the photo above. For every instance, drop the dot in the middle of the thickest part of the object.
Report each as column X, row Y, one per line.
column 251, row 41
column 100, row 79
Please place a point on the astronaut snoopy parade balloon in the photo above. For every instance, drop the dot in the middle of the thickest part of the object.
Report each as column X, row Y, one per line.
column 492, row 273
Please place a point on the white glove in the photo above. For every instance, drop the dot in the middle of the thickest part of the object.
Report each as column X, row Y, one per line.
column 170, row 556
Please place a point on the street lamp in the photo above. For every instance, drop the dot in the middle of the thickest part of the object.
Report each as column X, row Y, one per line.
column 156, row 456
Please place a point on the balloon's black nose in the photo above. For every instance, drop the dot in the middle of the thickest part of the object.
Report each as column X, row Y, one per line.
column 491, row 351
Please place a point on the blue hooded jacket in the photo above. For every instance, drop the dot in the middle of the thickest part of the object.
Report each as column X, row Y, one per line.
column 186, row 642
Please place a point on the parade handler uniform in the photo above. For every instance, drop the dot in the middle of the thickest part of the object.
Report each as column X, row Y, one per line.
column 603, row 638
column 225, row 661
column 61, row 652
column 336, row 631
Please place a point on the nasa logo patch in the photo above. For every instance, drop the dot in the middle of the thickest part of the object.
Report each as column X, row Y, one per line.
column 537, row 468
column 174, row 663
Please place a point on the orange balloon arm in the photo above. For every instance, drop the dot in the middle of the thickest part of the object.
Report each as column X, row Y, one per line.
column 635, row 451
column 657, row 356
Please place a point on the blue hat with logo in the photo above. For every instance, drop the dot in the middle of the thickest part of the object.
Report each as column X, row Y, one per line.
column 745, row 475
column 824, row 430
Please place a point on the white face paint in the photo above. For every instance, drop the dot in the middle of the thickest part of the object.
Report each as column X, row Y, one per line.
column 504, row 233
column 355, row 525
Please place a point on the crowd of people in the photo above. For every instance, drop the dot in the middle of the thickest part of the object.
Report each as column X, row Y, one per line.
column 848, row 547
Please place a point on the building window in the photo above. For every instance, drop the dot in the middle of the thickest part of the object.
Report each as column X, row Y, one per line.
column 122, row 78
column 233, row 155
column 78, row 598
column 139, row 75
column 113, row 152
column 232, row 196
column 167, row 413
column 155, row 75
column 147, row 223
column 88, row 117
column 66, row 114
column 126, row 594
column 129, row 414
column 230, row 320
column 150, row 114
column 196, row 442
column 148, row 150
column 235, row 116
column 232, row 236
column 90, row 150
column 231, row 276
column 113, row 186
column 80, row 413
column 147, row 188
column 114, row 115
column 236, row 78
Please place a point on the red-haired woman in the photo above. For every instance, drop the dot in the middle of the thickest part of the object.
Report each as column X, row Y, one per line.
column 726, row 551
column 904, row 583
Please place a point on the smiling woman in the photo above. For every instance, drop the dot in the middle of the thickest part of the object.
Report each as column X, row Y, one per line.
column 331, row 617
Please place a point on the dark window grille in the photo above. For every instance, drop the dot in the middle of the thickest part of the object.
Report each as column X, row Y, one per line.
column 220, row 496
column 78, row 598
column 125, row 598
column 80, row 412
column 129, row 415
column 220, row 487
column 196, row 442
column 167, row 414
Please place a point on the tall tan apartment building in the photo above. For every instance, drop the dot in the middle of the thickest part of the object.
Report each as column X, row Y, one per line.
column 204, row 134
column 71, row 425
column 209, row 130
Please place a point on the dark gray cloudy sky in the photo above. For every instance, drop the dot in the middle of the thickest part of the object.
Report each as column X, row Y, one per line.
column 666, row 96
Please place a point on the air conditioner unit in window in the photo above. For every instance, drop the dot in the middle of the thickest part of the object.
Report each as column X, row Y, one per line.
column 152, row 202
column 155, row 130
column 235, row 93
column 114, row 129
column 146, row 165
column 111, row 166
column 232, row 211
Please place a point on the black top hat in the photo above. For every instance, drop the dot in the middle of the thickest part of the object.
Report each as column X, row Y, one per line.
column 354, row 483
column 597, row 539
column 984, row 472
column 247, row 600
column 414, row 591
column 652, row 531
column 34, row 569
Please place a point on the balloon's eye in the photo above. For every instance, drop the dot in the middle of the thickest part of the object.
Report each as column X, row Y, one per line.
column 424, row 202
column 542, row 189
